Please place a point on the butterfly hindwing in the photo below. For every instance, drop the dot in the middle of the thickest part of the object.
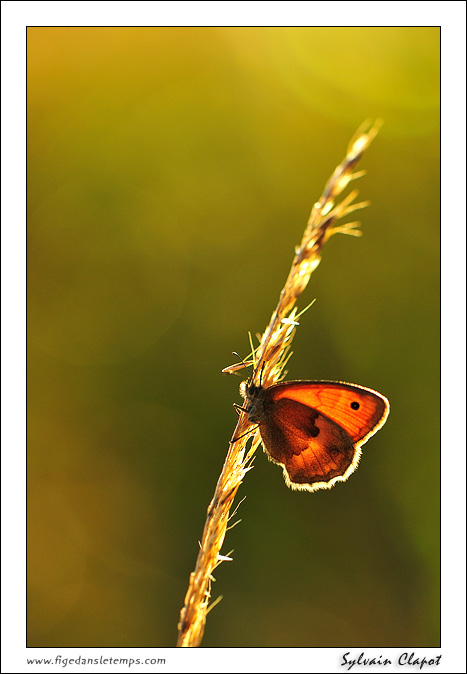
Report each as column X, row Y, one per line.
column 312, row 448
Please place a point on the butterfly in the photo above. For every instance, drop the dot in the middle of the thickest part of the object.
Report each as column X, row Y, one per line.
column 315, row 429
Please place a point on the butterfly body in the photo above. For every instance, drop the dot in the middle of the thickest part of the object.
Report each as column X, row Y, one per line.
column 314, row 429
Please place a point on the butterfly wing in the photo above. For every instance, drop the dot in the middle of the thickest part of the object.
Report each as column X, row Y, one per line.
column 314, row 430
column 358, row 410
column 313, row 450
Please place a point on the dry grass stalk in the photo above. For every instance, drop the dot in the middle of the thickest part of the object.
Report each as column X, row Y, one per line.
column 269, row 359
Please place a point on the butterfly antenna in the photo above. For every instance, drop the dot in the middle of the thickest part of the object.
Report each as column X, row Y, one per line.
column 261, row 374
column 241, row 359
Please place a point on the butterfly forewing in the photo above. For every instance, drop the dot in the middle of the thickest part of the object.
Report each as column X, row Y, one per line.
column 358, row 410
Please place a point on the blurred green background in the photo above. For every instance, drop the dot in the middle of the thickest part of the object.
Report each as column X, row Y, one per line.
column 171, row 171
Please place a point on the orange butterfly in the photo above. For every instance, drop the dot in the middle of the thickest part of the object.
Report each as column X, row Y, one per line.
column 315, row 429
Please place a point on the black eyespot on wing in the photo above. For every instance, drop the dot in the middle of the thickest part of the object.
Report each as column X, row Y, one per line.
column 355, row 405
